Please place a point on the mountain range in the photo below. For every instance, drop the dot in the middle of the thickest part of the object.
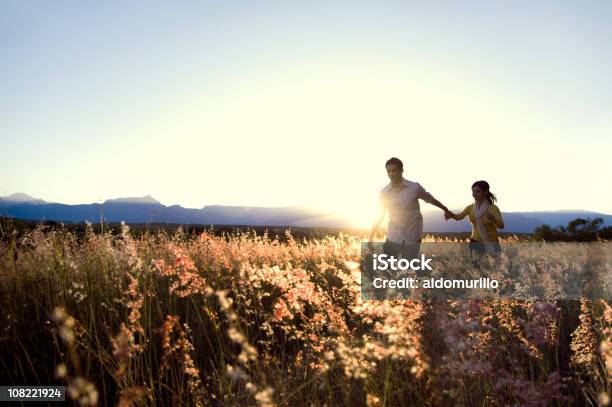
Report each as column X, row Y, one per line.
column 149, row 210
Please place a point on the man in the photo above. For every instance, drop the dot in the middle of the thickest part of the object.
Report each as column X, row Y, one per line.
column 401, row 199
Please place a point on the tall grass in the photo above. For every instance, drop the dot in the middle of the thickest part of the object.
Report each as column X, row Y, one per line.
column 241, row 319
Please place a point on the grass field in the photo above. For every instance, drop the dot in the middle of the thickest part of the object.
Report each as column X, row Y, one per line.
column 174, row 318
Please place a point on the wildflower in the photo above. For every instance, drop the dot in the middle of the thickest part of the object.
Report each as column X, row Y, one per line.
column 185, row 278
column 83, row 391
column 183, row 347
column 123, row 348
column 541, row 329
column 235, row 373
column 583, row 339
column 131, row 395
column 281, row 311
column 66, row 325
column 250, row 387
column 372, row 400
column 264, row 398
column 61, row 371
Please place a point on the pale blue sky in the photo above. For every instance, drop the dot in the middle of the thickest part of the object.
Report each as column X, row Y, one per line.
column 278, row 103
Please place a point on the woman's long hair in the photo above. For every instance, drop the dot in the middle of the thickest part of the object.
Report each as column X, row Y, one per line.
column 484, row 185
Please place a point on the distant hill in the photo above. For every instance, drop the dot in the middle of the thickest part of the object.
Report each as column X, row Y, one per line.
column 22, row 198
column 514, row 222
column 149, row 210
column 562, row 217
column 518, row 222
column 144, row 200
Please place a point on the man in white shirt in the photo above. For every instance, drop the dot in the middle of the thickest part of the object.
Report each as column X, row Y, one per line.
column 401, row 199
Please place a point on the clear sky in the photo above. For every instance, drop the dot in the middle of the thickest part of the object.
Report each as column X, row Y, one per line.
column 287, row 103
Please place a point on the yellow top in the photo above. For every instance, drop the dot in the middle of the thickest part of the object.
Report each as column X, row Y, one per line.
column 490, row 225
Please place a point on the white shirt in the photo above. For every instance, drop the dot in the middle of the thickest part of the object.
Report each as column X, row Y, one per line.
column 405, row 218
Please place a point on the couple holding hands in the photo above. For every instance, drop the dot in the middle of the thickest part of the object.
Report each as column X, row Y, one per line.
column 400, row 198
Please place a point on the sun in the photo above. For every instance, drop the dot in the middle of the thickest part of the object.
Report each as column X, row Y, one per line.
column 352, row 213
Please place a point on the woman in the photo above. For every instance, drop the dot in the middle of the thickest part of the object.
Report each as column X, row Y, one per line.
column 485, row 218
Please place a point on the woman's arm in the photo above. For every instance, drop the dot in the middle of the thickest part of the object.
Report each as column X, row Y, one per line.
column 461, row 215
column 494, row 216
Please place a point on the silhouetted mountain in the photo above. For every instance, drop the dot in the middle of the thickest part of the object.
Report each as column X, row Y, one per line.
column 517, row 222
column 562, row 217
column 21, row 198
column 258, row 216
column 148, row 210
column 144, row 200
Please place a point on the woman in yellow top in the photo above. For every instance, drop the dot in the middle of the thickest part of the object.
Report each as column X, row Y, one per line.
column 485, row 218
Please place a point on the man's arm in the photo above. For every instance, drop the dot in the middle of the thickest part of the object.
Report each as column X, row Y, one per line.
column 439, row 204
column 377, row 222
column 427, row 197
column 379, row 219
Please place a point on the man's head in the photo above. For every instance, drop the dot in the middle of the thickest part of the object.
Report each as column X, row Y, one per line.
column 395, row 168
